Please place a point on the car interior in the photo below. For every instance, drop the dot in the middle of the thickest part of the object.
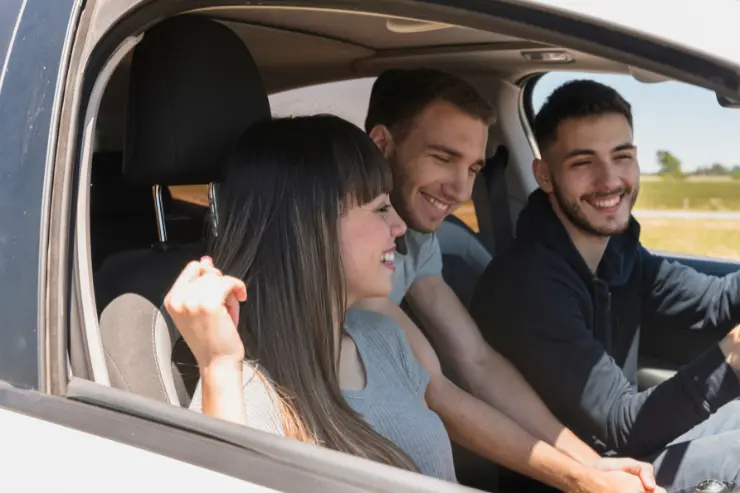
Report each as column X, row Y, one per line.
column 194, row 81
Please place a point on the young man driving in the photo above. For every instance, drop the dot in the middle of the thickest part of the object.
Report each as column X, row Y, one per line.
column 569, row 299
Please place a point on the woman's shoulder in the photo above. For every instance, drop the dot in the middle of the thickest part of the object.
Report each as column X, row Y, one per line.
column 373, row 326
column 385, row 344
column 260, row 399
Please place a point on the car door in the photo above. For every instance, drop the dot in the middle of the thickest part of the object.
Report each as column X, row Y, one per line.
column 34, row 48
column 120, row 441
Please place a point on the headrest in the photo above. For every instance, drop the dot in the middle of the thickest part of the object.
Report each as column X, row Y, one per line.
column 112, row 196
column 194, row 89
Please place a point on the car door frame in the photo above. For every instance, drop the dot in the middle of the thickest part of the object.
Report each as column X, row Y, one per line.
column 30, row 100
column 257, row 457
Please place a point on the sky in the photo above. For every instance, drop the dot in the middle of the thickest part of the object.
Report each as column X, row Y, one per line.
column 672, row 116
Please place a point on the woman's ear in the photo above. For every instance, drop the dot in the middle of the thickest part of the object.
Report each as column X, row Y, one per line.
column 383, row 139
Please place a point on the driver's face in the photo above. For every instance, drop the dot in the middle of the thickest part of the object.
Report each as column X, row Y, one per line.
column 592, row 174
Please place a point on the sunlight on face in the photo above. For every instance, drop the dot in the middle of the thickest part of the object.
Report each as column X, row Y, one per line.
column 367, row 236
column 436, row 163
column 593, row 173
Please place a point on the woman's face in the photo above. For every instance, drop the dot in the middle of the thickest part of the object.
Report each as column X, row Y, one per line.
column 367, row 236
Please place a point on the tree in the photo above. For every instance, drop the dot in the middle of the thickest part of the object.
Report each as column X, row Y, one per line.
column 669, row 164
column 716, row 169
column 719, row 169
column 735, row 172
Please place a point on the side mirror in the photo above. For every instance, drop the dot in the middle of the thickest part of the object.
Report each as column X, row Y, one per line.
column 726, row 102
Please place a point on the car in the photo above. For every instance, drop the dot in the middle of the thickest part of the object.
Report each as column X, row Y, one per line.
column 97, row 207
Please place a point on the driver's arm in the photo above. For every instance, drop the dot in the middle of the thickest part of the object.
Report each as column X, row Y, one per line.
column 677, row 296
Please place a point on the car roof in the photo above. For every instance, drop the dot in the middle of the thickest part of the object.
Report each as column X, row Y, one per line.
column 707, row 27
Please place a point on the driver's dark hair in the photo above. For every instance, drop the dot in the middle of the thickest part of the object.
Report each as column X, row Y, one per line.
column 398, row 96
column 577, row 99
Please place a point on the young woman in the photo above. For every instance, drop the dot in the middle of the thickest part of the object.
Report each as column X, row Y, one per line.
column 306, row 223
column 306, row 227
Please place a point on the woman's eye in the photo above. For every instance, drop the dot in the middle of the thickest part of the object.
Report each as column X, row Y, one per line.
column 443, row 159
column 384, row 208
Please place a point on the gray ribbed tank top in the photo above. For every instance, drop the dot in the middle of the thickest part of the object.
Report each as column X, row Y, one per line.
column 391, row 402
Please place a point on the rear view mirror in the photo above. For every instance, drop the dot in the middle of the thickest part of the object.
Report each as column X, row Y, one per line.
column 726, row 102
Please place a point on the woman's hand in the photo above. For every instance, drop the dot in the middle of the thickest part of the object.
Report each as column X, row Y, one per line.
column 204, row 305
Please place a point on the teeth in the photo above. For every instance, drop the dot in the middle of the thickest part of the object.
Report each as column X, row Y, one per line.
column 436, row 203
column 387, row 258
column 607, row 203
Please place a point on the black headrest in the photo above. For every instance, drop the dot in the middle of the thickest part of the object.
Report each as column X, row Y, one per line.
column 112, row 196
column 194, row 89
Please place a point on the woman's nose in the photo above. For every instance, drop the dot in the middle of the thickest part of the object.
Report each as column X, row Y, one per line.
column 398, row 226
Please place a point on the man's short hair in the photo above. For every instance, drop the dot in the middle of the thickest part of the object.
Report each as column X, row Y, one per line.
column 577, row 99
column 400, row 95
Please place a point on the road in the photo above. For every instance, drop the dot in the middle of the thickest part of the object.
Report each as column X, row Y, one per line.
column 658, row 214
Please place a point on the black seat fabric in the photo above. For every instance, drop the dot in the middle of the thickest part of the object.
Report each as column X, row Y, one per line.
column 121, row 213
column 194, row 89
column 464, row 258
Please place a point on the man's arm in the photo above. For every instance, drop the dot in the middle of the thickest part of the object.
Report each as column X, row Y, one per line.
column 677, row 296
column 484, row 372
column 544, row 333
column 491, row 434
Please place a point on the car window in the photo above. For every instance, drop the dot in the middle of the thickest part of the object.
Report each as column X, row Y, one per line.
column 347, row 99
column 689, row 155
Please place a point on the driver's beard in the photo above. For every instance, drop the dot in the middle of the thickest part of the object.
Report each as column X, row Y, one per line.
column 573, row 212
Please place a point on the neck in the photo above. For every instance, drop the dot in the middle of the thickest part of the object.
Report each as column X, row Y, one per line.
column 591, row 247
column 338, row 330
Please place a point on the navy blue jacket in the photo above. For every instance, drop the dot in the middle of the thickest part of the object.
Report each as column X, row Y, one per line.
column 574, row 335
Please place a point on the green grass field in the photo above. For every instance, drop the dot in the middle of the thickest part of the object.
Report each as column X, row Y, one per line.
column 702, row 194
column 717, row 238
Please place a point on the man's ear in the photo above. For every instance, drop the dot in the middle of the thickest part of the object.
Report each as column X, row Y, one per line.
column 542, row 174
column 383, row 139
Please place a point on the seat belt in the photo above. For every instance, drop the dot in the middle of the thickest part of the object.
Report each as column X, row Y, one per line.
column 491, row 203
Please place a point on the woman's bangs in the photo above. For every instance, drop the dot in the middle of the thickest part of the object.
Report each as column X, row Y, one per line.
column 365, row 173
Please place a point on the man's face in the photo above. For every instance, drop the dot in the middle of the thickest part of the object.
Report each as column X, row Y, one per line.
column 435, row 164
column 591, row 173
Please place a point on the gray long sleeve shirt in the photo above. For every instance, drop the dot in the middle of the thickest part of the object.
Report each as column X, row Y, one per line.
column 574, row 334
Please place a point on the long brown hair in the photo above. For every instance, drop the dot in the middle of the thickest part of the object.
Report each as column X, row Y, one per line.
column 287, row 183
